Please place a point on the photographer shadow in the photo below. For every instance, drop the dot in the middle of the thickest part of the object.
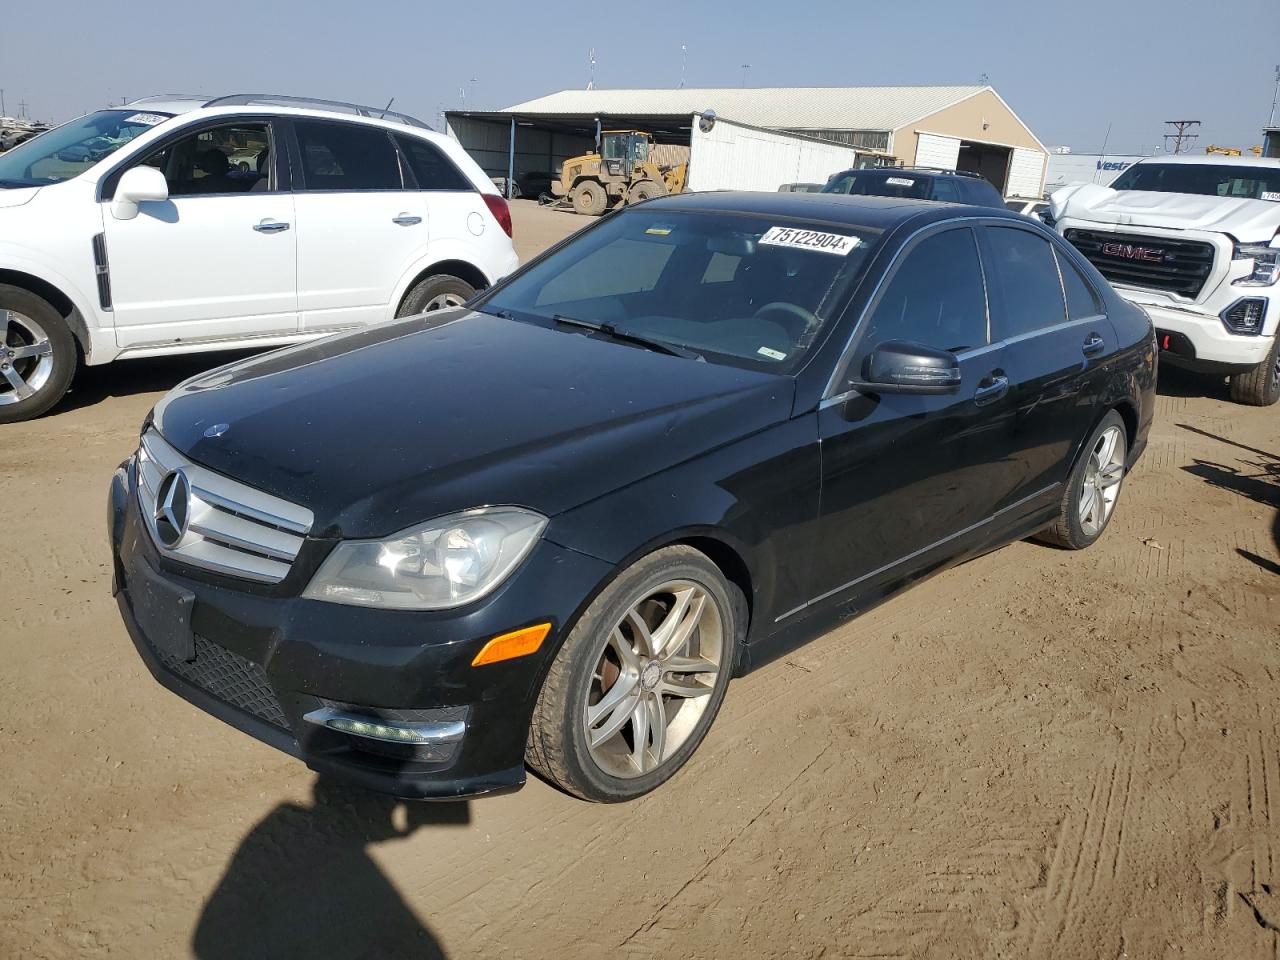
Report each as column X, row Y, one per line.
column 302, row 883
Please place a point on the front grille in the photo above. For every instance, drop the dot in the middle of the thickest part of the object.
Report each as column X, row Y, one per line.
column 230, row 527
column 1182, row 268
column 229, row 677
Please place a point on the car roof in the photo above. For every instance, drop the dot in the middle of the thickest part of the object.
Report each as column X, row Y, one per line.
column 1269, row 163
column 880, row 213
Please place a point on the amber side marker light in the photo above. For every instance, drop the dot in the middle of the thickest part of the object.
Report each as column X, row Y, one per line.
column 508, row 646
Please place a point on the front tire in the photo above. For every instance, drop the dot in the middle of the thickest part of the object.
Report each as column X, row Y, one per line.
column 589, row 199
column 38, row 355
column 440, row 291
column 637, row 684
column 1260, row 387
column 1093, row 489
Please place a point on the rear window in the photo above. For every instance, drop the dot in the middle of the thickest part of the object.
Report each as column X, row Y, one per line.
column 864, row 183
column 432, row 169
column 739, row 289
column 1203, row 179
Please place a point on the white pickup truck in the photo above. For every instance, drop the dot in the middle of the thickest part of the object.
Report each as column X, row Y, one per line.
column 1195, row 241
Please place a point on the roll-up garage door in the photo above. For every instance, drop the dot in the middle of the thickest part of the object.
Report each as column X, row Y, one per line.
column 936, row 151
column 1026, row 173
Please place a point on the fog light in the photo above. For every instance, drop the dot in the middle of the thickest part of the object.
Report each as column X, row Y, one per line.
column 1245, row 316
column 411, row 734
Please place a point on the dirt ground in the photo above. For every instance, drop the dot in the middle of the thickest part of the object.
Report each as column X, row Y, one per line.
column 1039, row 754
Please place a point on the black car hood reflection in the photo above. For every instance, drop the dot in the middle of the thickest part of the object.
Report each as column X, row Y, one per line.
column 393, row 425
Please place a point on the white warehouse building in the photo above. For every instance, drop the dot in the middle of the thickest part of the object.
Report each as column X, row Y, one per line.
column 761, row 138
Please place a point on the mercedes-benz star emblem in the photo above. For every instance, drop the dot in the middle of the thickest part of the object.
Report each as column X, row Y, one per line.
column 173, row 508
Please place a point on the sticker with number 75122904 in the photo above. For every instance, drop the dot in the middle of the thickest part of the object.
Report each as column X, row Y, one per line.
column 837, row 243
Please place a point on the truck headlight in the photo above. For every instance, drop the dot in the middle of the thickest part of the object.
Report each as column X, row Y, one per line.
column 1266, row 264
column 440, row 564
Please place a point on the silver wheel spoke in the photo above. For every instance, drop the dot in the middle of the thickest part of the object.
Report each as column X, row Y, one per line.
column 622, row 710
column 626, row 653
column 1088, row 502
column 5, row 317
column 674, row 631
column 657, row 729
column 1110, row 476
column 20, row 386
column 42, row 349
column 640, row 734
column 640, row 630
column 684, row 687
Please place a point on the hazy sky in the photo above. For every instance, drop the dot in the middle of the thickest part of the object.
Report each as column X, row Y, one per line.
column 1069, row 68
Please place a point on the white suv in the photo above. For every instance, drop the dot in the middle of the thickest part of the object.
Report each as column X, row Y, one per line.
column 179, row 224
column 1195, row 240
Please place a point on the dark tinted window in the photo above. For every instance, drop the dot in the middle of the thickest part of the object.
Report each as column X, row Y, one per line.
column 982, row 193
column 935, row 297
column 1208, row 179
column 870, row 183
column 1023, row 264
column 1081, row 300
column 430, row 167
column 342, row 156
column 944, row 189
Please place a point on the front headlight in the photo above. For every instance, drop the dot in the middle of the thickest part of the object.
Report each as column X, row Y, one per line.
column 1266, row 264
column 441, row 564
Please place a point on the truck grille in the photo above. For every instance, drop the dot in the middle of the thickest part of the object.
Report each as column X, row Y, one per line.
column 229, row 677
column 1152, row 263
column 229, row 527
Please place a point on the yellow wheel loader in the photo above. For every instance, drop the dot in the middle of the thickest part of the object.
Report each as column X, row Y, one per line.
column 621, row 172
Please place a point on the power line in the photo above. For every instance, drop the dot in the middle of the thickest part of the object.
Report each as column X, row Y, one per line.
column 1181, row 135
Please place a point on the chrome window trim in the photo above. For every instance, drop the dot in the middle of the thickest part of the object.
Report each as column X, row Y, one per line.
column 917, row 553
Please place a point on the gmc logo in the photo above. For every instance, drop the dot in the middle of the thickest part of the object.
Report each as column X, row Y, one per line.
column 1129, row 252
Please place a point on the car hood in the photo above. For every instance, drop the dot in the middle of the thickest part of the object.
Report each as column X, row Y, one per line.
column 382, row 429
column 1245, row 219
column 16, row 196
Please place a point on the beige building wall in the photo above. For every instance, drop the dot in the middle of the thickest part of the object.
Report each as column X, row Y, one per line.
column 964, row 120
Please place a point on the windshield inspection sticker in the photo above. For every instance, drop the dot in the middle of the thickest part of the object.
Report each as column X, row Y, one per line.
column 899, row 182
column 836, row 243
column 150, row 119
column 771, row 353
column 659, row 231
column 1270, row 195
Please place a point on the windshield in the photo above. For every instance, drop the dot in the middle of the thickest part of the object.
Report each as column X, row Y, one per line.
column 867, row 184
column 739, row 289
column 69, row 150
column 1204, row 179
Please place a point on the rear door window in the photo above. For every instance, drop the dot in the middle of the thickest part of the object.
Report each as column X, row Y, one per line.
column 431, row 168
column 346, row 156
column 944, row 189
column 1024, row 267
column 1081, row 300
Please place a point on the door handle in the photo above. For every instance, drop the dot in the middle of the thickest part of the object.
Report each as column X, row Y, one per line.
column 991, row 389
column 270, row 226
column 406, row 220
column 1093, row 345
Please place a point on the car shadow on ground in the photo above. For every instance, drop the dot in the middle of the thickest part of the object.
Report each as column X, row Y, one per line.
column 302, row 883
column 126, row 378
column 1258, row 479
column 1176, row 382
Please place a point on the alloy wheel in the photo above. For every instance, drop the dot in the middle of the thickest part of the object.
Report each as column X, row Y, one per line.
column 26, row 357
column 444, row 301
column 654, row 679
column 1102, row 477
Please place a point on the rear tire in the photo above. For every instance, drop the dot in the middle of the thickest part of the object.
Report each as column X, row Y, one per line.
column 1260, row 387
column 38, row 355
column 589, row 199
column 1093, row 490
column 440, row 291
column 589, row 748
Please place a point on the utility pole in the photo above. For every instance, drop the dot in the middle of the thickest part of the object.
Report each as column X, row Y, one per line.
column 684, row 63
column 22, row 109
column 745, row 68
column 1270, row 123
column 591, row 60
column 4, row 114
column 474, row 80
column 1183, row 133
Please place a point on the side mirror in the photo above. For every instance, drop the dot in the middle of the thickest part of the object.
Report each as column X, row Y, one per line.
column 901, row 366
column 139, row 184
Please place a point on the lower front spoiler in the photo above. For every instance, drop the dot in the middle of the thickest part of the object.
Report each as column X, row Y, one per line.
column 398, row 784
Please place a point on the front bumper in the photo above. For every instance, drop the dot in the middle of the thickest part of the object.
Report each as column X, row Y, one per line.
column 1200, row 341
column 262, row 662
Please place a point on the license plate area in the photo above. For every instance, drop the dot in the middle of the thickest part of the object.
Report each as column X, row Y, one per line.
column 163, row 612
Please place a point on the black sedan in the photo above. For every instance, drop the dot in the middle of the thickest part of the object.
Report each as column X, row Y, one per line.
column 546, row 530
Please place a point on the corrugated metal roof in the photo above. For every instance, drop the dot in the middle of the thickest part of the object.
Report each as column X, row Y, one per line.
column 812, row 108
